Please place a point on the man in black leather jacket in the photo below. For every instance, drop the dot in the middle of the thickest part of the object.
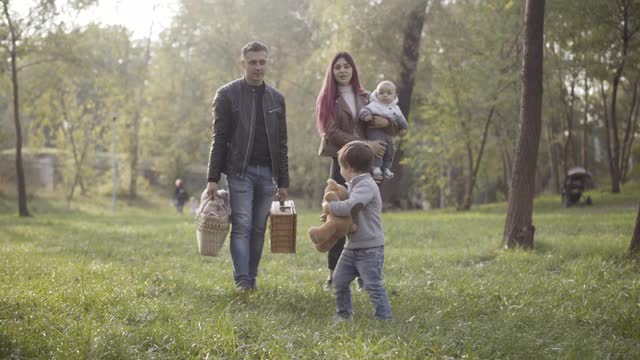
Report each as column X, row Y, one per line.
column 250, row 146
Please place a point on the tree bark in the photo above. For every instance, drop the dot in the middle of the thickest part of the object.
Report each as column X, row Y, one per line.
column 475, row 166
column 22, row 188
column 616, row 157
column 506, row 158
column 613, row 174
column 569, row 152
column 631, row 127
column 551, row 132
column 553, row 158
column 519, row 230
column 634, row 247
column 391, row 189
column 585, row 125
column 135, row 135
column 79, row 154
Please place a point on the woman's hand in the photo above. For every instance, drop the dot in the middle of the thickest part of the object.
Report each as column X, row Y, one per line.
column 378, row 147
column 379, row 122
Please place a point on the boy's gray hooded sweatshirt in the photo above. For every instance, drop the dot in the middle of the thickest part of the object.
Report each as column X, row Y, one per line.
column 363, row 190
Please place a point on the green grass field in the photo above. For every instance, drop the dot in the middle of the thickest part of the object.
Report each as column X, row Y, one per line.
column 84, row 283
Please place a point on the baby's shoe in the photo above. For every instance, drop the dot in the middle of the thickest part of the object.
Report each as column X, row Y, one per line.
column 377, row 173
column 388, row 174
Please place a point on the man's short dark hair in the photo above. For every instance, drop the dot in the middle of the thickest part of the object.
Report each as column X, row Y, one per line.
column 356, row 155
column 255, row 46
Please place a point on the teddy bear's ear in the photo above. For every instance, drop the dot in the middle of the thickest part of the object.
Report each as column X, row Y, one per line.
column 331, row 182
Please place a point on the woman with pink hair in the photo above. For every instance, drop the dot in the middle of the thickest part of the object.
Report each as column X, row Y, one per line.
column 339, row 102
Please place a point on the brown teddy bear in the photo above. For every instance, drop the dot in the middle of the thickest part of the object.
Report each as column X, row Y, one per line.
column 335, row 227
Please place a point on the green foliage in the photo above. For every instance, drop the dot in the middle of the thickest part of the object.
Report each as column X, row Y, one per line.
column 472, row 50
column 86, row 284
column 470, row 63
column 76, row 98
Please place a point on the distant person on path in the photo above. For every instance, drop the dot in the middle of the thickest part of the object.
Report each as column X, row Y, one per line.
column 384, row 102
column 249, row 144
column 180, row 196
column 338, row 104
column 363, row 253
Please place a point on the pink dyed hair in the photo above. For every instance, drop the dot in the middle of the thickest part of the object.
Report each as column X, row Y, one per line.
column 325, row 104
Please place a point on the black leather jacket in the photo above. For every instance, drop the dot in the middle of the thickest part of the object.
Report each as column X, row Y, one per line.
column 234, row 128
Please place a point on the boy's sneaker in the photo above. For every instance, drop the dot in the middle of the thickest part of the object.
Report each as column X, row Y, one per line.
column 388, row 174
column 377, row 173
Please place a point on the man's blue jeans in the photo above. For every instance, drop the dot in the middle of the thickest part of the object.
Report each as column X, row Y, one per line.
column 250, row 198
column 368, row 263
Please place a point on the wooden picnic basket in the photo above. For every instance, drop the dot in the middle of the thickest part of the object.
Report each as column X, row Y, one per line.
column 282, row 227
column 212, row 224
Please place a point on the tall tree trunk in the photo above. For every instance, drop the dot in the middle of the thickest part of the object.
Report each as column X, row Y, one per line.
column 468, row 189
column 569, row 151
column 613, row 174
column 615, row 151
column 631, row 127
column 391, row 189
column 585, row 125
column 551, row 132
column 519, row 230
column 616, row 155
column 506, row 170
column 553, row 158
column 79, row 153
column 135, row 135
column 634, row 247
column 475, row 166
column 22, row 188
column 505, row 156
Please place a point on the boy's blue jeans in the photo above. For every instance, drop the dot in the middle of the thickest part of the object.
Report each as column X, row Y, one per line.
column 368, row 264
column 250, row 198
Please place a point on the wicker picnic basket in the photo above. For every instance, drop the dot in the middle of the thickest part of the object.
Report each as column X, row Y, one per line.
column 282, row 227
column 212, row 223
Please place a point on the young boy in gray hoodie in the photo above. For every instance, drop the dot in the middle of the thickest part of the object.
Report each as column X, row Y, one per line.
column 364, row 249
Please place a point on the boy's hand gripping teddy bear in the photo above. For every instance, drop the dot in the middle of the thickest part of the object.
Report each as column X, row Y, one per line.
column 334, row 227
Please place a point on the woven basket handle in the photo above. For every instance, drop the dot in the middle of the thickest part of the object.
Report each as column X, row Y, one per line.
column 224, row 205
column 203, row 204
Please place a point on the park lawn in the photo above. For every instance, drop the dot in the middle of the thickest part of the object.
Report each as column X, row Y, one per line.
column 84, row 283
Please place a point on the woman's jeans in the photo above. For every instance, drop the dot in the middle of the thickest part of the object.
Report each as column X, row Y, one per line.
column 250, row 198
column 368, row 264
column 334, row 253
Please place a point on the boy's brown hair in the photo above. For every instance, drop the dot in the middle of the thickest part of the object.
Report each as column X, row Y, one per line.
column 356, row 155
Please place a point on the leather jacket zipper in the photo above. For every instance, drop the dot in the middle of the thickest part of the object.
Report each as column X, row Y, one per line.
column 253, row 116
column 266, row 128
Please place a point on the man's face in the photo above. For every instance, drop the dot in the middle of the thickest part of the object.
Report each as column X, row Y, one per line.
column 255, row 65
